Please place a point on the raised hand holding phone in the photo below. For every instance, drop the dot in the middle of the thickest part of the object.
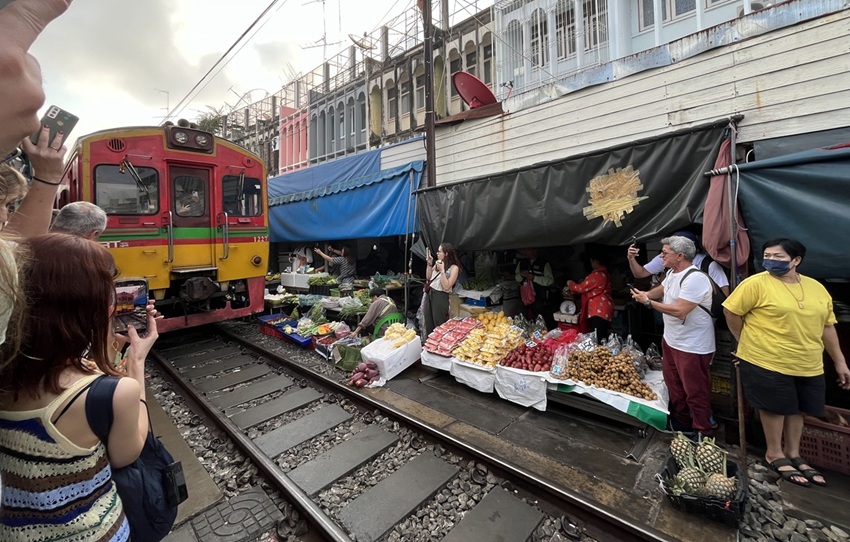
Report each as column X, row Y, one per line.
column 57, row 120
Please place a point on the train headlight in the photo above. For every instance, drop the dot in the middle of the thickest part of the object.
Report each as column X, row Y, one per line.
column 202, row 140
column 181, row 137
column 257, row 260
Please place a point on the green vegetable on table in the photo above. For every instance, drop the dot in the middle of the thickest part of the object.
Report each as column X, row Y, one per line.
column 323, row 280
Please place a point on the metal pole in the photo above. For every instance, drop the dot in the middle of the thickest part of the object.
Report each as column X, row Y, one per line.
column 368, row 99
column 431, row 166
column 407, row 244
column 733, row 282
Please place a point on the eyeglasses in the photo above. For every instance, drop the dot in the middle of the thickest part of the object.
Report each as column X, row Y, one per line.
column 666, row 252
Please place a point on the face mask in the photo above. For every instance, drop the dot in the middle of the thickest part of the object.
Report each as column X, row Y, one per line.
column 776, row 267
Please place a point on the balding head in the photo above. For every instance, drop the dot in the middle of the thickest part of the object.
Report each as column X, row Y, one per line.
column 80, row 218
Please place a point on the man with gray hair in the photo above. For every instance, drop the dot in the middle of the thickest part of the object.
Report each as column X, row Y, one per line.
column 688, row 341
column 80, row 218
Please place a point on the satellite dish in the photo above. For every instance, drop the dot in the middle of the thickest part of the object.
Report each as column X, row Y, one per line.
column 362, row 43
column 472, row 90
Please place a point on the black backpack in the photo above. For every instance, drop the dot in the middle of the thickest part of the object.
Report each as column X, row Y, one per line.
column 143, row 485
column 717, row 295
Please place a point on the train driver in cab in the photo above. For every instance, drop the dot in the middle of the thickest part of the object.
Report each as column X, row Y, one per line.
column 188, row 203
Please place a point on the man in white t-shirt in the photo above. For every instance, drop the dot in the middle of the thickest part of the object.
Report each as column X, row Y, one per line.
column 684, row 300
column 655, row 265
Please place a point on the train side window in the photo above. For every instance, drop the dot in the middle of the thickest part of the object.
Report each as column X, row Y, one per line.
column 241, row 196
column 119, row 192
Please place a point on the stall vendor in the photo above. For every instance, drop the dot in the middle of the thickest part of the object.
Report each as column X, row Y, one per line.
column 381, row 306
column 345, row 261
column 328, row 267
column 535, row 268
column 597, row 305
column 302, row 256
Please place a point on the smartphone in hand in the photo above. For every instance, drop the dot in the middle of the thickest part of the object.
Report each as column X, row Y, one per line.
column 631, row 286
column 131, row 301
column 58, row 120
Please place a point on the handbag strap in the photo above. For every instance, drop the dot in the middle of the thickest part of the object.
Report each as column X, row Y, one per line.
column 99, row 407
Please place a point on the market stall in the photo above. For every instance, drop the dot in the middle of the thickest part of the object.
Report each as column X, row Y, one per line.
column 489, row 353
column 492, row 353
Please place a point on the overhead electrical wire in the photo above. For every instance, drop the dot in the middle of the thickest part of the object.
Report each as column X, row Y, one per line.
column 192, row 93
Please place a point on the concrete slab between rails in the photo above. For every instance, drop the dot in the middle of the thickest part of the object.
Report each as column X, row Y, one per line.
column 499, row 516
column 687, row 528
column 203, row 493
column 829, row 504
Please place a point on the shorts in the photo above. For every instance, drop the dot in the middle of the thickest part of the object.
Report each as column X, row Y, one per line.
column 782, row 394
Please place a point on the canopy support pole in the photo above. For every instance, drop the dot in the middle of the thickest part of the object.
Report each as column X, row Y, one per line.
column 733, row 282
column 407, row 246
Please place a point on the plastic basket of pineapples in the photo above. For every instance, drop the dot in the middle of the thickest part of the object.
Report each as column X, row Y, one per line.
column 700, row 479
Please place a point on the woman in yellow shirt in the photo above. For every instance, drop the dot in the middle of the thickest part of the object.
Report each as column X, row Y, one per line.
column 782, row 321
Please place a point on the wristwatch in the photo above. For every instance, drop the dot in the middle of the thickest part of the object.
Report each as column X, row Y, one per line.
column 648, row 304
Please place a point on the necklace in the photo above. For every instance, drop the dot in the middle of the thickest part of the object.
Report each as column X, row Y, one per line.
column 802, row 292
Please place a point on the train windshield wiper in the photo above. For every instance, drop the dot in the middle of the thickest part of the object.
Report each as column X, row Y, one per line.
column 125, row 165
column 240, row 186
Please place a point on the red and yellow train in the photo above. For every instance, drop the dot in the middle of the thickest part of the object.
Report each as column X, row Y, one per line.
column 186, row 210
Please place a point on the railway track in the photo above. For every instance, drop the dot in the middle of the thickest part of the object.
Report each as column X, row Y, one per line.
column 358, row 470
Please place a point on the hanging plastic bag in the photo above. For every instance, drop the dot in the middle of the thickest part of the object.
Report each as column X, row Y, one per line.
column 526, row 293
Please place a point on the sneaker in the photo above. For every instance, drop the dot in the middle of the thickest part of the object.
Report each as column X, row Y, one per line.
column 713, row 423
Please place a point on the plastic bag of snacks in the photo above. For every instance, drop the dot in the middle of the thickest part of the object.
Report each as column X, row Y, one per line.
column 586, row 342
column 653, row 357
column 638, row 356
column 560, row 361
column 614, row 344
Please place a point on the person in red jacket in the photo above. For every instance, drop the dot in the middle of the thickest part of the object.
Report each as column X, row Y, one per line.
column 597, row 305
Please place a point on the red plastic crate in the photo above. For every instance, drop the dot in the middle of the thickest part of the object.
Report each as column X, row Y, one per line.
column 826, row 445
column 271, row 331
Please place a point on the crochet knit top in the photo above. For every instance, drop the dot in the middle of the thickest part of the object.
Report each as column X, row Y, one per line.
column 51, row 488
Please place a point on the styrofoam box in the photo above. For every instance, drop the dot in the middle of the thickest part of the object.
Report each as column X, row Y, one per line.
column 391, row 361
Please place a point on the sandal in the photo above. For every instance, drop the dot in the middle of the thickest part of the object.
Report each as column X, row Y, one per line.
column 809, row 473
column 788, row 475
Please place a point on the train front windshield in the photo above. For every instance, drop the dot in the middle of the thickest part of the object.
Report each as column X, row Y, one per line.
column 120, row 192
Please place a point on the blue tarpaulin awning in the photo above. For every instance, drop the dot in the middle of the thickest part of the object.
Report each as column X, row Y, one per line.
column 346, row 199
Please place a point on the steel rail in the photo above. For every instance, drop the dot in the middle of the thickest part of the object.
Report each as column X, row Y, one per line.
column 592, row 513
column 328, row 527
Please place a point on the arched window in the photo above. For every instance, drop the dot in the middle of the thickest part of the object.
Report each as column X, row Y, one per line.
column 455, row 65
column 565, row 28
column 361, row 104
column 516, row 46
column 351, row 121
column 341, row 134
column 539, row 39
column 392, row 101
column 323, row 137
column 331, row 131
column 314, row 142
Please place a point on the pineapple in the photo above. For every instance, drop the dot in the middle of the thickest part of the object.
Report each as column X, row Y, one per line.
column 721, row 487
column 710, row 457
column 691, row 480
column 683, row 450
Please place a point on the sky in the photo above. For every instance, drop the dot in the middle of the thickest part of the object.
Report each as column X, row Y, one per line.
column 120, row 63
